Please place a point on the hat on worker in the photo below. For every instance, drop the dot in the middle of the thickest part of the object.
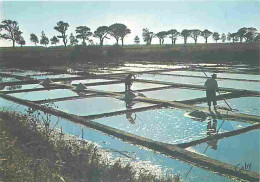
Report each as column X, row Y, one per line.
column 214, row 75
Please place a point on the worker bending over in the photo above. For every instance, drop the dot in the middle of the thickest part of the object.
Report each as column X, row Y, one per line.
column 211, row 88
column 129, row 82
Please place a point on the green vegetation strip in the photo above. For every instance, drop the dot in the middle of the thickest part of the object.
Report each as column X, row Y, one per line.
column 30, row 152
column 177, row 152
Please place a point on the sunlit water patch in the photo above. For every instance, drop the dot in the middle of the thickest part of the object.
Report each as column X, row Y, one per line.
column 21, row 87
column 8, row 79
column 236, row 150
column 121, row 87
column 53, row 76
column 118, row 147
column 45, row 94
column 165, row 125
column 156, row 66
column 89, row 81
column 247, row 105
column 175, row 94
column 26, row 72
column 220, row 75
column 173, row 79
column 244, row 85
column 95, row 105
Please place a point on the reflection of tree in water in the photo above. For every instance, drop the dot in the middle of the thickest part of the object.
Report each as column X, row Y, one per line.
column 14, row 87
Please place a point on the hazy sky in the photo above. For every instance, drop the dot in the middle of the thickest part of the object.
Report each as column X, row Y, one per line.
column 220, row 16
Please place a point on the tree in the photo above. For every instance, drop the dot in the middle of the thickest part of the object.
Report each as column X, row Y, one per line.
column 119, row 30
column 137, row 40
column 34, row 39
column 216, row 36
column 257, row 38
column 161, row 36
column 73, row 40
column 174, row 34
column 232, row 36
column 148, row 36
column 206, row 34
column 12, row 31
column 54, row 40
column 241, row 33
column 20, row 40
column 44, row 40
column 223, row 37
column 195, row 34
column 83, row 33
column 101, row 33
column 251, row 34
column 185, row 34
column 62, row 27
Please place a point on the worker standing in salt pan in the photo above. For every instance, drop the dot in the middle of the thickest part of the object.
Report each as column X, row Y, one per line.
column 129, row 82
column 211, row 88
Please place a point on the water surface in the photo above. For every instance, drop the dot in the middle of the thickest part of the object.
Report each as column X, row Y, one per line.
column 166, row 125
column 239, row 149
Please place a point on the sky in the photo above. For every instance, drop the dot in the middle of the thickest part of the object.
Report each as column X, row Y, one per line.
column 217, row 16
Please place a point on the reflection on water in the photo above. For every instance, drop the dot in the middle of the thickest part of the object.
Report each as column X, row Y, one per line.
column 8, row 79
column 45, row 94
column 121, row 87
column 220, row 75
column 130, row 116
column 95, row 105
column 138, row 154
column 175, row 94
column 52, row 76
column 167, row 125
column 239, row 149
column 173, row 79
column 247, row 105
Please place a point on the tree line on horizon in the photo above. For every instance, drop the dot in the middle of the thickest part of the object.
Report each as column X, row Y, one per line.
column 119, row 31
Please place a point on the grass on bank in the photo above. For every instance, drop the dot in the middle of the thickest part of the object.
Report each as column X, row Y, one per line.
column 32, row 153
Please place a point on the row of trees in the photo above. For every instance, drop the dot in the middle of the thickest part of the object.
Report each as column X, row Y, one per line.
column 119, row 32
column 247, row 34
column 13, row 33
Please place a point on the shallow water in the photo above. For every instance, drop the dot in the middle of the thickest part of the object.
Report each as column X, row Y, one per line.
column 53, row 76
column 137, row 154
column 165, row 125
column 21, row 87
column 240, row 149
column 121, row 87
column 45, row 94
column 26, row 72
column 173, row 79
column 134, row 68
column 89, row 81
column 200, row 81
column 246, row 105
column 220, row 75
column 95, row 105
column 8, row 79
column 255, row 86
column 175, row 94
column 156, row 66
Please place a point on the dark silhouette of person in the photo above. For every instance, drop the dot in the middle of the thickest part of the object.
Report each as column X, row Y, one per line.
column 211, row 130
column 211, row 88
column 129, row 82
column 129, row 113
